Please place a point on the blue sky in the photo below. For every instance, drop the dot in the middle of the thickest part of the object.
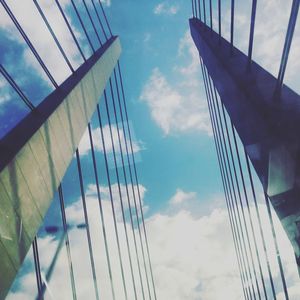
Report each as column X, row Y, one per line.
column 178, row 172
column 151, row 40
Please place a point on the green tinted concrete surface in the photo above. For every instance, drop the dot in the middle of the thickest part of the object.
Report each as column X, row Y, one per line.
column 29, row 181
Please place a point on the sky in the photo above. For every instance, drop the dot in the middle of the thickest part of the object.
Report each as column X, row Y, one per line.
column 186, row 218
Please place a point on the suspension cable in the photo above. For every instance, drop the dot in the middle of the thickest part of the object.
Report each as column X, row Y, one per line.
column 53, row 35
column 231, row 26
column 67, row 241
column 82, row 26
column 288, row 42
column 199, row 6
column 193, row 9
column 99, row 20
column 251, row 35
column 70, row 29
column 29, row 44
column 136, row 179
column 101, row 212
column 234, row 204
column 16, row 88
column 248, row 210
column 210, row 13
column 204, row 11
column 92, row 22
column 37, row 265
column 126, row 184
column 112, row 200
column 220, row 20
column 231, row 218
column 104, row 14
column 240, row 200
column 260, row 225
column 276, row 246
column 86, row 219
column 118, row 183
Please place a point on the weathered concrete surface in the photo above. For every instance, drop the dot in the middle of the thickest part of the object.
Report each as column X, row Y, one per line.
column 267, row 122
column 36, row 154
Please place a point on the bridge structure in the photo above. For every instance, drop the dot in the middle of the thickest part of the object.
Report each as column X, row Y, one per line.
column 42, row 146
column 255, row 119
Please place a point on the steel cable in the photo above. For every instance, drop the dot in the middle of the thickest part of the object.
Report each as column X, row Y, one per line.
column 70, row 29
column 223, row 176
column 112, row 200
column 61, row 50
column 16, row 88
column 248, row 209
column 99, row 20
column 82, row 26
column 101, row 212
column 136, row 179
column 126, row 183
column 260, row 225
column 86, row 219
column 92, row 22
column 118, row 183
column 232, row 190
column 29, row 44
column 67, row 241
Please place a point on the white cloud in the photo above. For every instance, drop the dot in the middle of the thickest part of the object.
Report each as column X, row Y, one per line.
column 192, row 256
column 188, row 255
column 4, row 95
column 272, row 18
column 187, row 49
column 179, row 106
column 166, row 9
column 272, row 21
column 181, row 196
column 105, row 196
column 85, row 146
column 4, row 98
column 106, row 2
column 41, row 38
column 171, row 108
column 197, row 253
column 147, row 37
column 59, row 283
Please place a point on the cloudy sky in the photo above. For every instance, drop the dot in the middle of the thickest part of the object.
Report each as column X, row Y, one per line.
column 186, row 218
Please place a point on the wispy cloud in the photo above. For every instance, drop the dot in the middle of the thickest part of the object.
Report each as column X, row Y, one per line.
column 164, row 8
column 41, row 38
column 271, row 23
column 181, row 107
column 105, row 195
column 181, row 197
column 195, row 251
column 85, row 146
column 4, row 95
column 147, row 37
column 106, row 2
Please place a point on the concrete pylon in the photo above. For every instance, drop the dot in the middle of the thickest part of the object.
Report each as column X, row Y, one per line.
column 267, row 122
column 37, row 152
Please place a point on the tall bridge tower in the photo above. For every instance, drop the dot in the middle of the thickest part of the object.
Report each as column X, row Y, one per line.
column 43, row 146
column 255, row 120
